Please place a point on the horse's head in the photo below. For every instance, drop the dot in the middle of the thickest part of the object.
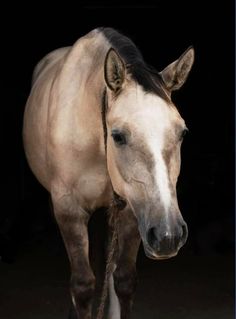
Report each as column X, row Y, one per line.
column 145, row 133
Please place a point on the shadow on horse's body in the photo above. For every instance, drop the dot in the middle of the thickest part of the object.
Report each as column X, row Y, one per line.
column 64, row 144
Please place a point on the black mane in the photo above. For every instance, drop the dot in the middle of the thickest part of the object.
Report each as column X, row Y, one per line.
column 142, row 73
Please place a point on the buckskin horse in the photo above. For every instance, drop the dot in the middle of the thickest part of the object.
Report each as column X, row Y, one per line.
column 100, row 125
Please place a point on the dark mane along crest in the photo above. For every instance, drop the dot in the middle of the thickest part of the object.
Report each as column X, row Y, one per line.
column 142, row 73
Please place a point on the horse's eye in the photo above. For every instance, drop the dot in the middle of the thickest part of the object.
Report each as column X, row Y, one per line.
column 183, row 133
column 118, row 137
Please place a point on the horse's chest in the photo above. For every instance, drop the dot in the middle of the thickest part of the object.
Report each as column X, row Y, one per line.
column 94, row 189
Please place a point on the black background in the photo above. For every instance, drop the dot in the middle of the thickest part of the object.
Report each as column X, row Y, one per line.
column 162, row 31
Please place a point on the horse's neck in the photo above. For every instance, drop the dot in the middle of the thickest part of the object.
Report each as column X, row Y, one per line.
column 78, row 108
column 95, row 48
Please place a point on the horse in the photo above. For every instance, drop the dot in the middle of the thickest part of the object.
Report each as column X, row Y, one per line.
column 100, row 121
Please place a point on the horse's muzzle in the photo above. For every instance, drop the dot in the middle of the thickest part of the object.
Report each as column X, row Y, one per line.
column 163, row 243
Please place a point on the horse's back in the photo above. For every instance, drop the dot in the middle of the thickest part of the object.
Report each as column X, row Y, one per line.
column 47, row 61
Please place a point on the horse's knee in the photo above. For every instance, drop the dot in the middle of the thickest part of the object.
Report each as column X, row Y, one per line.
column 125, row 282
column 82, row 289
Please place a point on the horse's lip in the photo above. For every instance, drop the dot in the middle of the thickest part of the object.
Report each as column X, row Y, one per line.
column 152, row 255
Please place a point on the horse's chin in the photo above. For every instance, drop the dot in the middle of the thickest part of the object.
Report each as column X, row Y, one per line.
column 152, row 255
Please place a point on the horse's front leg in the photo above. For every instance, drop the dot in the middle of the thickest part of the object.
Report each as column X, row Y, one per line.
column 72, row 221
column 123, row 284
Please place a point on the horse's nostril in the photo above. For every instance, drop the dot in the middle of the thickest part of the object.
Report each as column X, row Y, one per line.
column 151, row 237
column 184, row 232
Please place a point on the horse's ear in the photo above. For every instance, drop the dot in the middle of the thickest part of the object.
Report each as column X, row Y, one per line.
column 176, row 73
column 114, row 70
